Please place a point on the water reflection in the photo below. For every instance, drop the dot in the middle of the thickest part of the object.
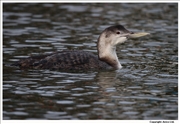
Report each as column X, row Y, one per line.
column 146, row 87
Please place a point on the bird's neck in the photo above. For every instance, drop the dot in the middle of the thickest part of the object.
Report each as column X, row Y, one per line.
column 107, row 53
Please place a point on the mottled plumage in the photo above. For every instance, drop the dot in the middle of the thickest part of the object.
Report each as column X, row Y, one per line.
column 64, row 60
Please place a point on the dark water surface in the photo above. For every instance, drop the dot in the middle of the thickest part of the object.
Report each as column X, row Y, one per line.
column 146, row 88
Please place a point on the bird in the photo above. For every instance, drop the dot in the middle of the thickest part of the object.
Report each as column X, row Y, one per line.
column 105, row 59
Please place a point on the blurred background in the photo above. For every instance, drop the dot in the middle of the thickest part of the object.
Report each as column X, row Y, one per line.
column 146, row 88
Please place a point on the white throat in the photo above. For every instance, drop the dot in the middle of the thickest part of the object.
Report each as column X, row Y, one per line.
column 108, row 54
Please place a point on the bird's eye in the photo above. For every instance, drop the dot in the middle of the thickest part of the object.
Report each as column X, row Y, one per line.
column 118, row 32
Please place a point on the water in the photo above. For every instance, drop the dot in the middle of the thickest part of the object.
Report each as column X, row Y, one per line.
column 145, row 89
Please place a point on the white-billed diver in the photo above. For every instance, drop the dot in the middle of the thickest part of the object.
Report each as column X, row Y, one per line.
column 82, row 60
